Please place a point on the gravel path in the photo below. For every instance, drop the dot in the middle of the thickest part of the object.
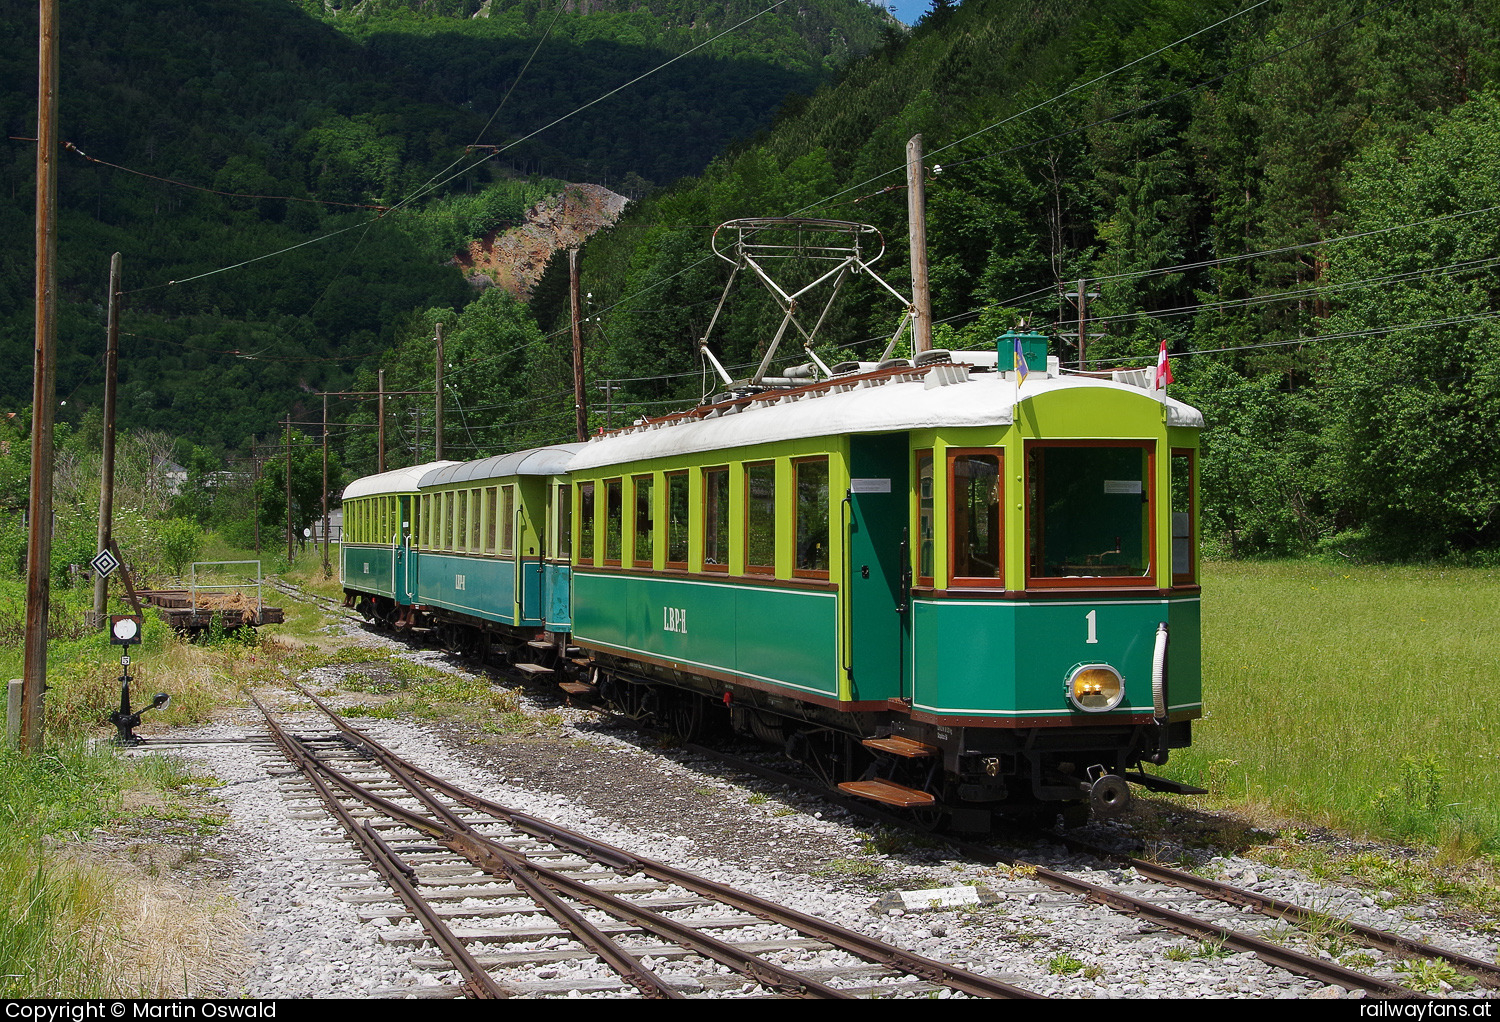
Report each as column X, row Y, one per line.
column 290, row 874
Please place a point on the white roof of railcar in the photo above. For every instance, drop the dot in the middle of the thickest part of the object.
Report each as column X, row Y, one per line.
column 399, row 480
column 536, row 461
column 877, row 403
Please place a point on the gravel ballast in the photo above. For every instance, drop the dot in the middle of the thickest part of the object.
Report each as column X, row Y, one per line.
column 290, row 871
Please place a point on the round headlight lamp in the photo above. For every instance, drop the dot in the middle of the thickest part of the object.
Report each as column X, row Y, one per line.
column 1095, row 688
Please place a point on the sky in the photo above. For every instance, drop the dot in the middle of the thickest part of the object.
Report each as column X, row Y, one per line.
column 906, row 11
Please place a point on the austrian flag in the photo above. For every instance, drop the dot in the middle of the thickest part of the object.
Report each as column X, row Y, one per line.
column 1163, row 368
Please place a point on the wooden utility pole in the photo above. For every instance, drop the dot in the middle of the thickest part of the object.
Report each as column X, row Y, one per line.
column 916, row 215
column 580, row 407
column 255, row 493
column 325, row 485
column 380, row 459
column 289, row 489
column 437, row 390
column 43, row 385
column 107, row 461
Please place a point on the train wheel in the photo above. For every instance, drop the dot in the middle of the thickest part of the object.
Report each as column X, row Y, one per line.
column 685, row 718
column 828, row 755
column 932, row 819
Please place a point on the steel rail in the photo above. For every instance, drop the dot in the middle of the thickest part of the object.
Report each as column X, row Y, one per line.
column 852, row 941
column 1486, row 972
column 544, row 885
column 1275, row 954
column 468, row 845
column 477, row 981
column 1283, row 958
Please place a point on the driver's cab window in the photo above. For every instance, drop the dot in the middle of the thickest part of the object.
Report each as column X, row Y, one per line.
column 1088, row 513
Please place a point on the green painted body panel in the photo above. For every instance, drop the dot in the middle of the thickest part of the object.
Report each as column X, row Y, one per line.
column 482, row 587
column 367, row 568
column 784, row 637
column 1011, row 658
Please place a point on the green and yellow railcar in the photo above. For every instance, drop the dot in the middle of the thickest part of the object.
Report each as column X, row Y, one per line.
column 943, row 587
column 972, row 592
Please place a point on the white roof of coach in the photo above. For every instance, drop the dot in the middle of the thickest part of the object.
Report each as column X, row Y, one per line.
column 400, row 480
column 537, row 461
column 881, row 403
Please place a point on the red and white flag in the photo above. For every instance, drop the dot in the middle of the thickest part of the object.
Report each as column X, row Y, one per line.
column 1163, row 367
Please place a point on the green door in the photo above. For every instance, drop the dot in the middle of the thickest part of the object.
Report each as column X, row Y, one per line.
column 402, row 584
column 875, row 595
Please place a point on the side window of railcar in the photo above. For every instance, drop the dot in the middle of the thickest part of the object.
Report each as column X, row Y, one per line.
column 926, row 520
column 811, row 483
column 976, row 526
column 1184, row 486
column 614, row 521
column 476, row 521
column 644, row 550
column 425, row 534
column 491, row 515
column 760, row 518
column 507, row 520
column 716, row 519
column 677, row 520
column 564, row 523
column 1088, row 509
column 585, row 523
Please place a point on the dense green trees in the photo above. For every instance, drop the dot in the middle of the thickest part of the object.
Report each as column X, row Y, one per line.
column 1259, row 185
column 1294, row 196
column 286, row 192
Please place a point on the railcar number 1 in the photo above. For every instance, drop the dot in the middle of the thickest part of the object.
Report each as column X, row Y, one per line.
column 674, row 619
column 1090, row 617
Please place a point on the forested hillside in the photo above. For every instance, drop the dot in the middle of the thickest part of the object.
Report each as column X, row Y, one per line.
column 1298, row 197
column 287, row 191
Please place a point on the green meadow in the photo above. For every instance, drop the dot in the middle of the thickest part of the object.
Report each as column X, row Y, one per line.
column 1361, row 697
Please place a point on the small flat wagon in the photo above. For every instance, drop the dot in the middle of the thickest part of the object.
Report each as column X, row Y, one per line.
column 194, row 615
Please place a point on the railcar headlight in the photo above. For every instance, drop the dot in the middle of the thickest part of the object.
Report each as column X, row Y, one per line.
column 1095, row 688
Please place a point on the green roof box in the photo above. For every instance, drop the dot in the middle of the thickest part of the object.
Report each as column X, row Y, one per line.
column 1033, row 349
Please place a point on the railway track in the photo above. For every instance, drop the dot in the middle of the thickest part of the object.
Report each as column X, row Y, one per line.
column 500, row 892
column 1221, row 916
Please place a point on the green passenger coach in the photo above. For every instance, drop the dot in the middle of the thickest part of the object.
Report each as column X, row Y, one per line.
column 941, row 586
column 973, row 592
column 375, row 562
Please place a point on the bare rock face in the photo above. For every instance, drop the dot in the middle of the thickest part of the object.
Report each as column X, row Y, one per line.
column 514, row 259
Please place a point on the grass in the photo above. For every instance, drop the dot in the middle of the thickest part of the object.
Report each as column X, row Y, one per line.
column 72, row 928
column 1355, row 696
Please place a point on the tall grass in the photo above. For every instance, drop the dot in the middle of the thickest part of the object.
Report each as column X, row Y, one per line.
column 1365, row 697
column 52, row 920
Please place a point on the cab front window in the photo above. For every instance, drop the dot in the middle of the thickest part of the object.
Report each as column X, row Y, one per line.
column 1089, row 509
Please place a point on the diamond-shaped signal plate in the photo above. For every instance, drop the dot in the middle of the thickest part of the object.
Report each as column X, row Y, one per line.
column 104, row 563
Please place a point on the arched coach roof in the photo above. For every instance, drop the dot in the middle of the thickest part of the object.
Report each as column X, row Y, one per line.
column 400, row 480
column 537, row 461
column 879, row 405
